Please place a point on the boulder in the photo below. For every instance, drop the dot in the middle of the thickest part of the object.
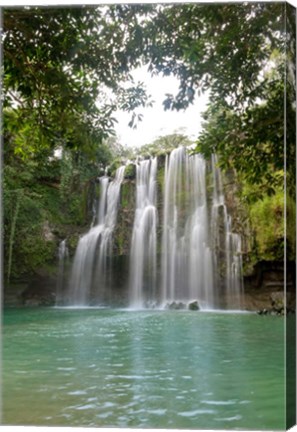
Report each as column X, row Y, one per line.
column 194, row 305
column 263, row 312
column 277, row 300
column 175, row 306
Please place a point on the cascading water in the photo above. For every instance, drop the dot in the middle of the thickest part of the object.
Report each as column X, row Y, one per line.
column 95, row 248
column 191, row 255
column 143, row 256
column 187, row 267
column 226, row 244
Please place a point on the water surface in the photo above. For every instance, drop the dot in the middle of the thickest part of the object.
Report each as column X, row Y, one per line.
column 156, row 369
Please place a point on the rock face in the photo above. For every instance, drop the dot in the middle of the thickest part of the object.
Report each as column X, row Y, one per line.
column 125, row 219
column 280, row 304
column 264, row 288
column 40, row 292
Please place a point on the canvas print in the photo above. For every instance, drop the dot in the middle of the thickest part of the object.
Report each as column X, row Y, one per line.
column 148, row 194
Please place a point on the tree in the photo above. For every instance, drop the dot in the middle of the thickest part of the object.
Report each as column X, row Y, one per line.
column 60, row 85
column 239, row 54
column 165, row 144
column 57, row 69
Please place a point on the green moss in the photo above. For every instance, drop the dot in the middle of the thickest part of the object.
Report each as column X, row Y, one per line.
column 130, row 171
column 127, row 192
column 160, row 177
column 32, row 252
column 119, row 241
column 291, row 227
column 267, row 220
column 114, row 166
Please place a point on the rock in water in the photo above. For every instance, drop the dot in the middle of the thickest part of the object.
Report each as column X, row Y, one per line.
column 175, row 306
column 277, row 300
column 194, row 305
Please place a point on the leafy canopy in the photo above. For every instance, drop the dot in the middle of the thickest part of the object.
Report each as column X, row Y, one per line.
column 66, row 71
column 59, row 61
column 243, row 55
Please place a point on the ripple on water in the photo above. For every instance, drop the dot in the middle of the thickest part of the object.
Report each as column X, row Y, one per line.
column 158, row 412
column 218, row 402
column 77, row 392
column 129, row 377
column 65, row 359
column 85, row 407
column 108, row 404
column 112, row 386
column 229, row 419
column 195, row 412
column 66, row 369
column 104, row 415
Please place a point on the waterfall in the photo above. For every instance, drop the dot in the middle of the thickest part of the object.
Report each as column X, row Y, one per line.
column 187, row 267
column 143, row 256
column 63, row 256
column 193, row 254
column 226, row 244
column 94, row 249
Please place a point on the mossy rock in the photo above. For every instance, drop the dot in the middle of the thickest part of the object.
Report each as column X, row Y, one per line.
column 130, row 171
column 194, row 305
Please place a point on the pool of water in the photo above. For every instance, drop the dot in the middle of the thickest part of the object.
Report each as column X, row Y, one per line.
column 142, row 369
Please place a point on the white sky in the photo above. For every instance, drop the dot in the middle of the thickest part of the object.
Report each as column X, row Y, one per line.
column 157, row 122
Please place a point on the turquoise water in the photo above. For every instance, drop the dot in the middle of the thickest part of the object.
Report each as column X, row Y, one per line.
column 156, row 369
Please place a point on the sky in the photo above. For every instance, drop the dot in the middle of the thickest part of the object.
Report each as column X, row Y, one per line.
column 157, row 122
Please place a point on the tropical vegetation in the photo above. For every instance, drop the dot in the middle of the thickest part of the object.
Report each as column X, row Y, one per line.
column 67, row 70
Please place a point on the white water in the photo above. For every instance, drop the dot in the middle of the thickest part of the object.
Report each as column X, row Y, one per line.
column 143, row 256
column 187, row 267
column 197, row 256
column 95, row 248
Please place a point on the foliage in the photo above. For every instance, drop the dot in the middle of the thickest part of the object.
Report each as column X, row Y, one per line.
column 23, row 218
column 165, row 144
column 255, row 136
column 238, row 53
column 130, row 171
column 221, row 47
column 55, row 70
column 267, row 219
column 60, row 84
column 38, row 198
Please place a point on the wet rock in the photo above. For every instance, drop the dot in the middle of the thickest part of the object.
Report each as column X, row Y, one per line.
column 48, row 235
column 151, row 305
column 277, row 300
column 32, row 302
column 175, row 306
column 263, row 312
column 194, row 305
column 40, row 292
